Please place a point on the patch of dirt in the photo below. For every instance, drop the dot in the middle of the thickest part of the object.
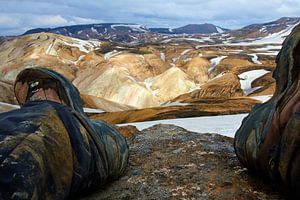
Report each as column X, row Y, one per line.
column 169, row 162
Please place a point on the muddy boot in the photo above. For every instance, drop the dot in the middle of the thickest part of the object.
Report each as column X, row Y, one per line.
column 289, row 159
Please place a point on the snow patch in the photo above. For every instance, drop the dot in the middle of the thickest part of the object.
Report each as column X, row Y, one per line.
column 84, row 46
column 269, row 53
column 263, row 29
column 192, row 89
column 134, row 27
column 49, row 49
column 185, row 51
column 263, row 98
column 163, row 56
column 219, row 30
column 175, row 103
column 195, row 39
column 8, row 104
column 225, row 125
column 207, row 39
column 182, row 54
column 254, row 58
column 111, row 54
column 214, row 62
column 234, row 50
column 268, row 48
column 275, row 38
column 94, row 30
column 247, row 78
column 187, row 60
column 92, row 110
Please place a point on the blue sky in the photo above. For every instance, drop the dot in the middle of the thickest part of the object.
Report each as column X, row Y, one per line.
column 17, row 16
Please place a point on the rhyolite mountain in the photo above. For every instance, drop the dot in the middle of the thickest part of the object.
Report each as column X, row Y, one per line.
column 120, row 78
column 178, row 75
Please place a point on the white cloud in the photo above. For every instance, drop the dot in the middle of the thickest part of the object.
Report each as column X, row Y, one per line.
column 81, row 20
column 7, row 21
column 12, row 24
column 47, row 20
column 154, row 13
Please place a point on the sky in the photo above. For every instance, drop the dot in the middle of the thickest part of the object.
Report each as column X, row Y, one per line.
column 18, row 16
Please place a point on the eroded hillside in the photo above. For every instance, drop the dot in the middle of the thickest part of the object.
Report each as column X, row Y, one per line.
column 118, row 77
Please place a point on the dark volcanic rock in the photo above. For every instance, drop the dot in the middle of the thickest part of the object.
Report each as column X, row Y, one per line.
column 169, row 162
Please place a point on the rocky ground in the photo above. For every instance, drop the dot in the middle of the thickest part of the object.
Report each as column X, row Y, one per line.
column 169, row 162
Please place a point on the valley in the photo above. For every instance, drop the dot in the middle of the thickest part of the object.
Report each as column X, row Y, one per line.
column 171, row 75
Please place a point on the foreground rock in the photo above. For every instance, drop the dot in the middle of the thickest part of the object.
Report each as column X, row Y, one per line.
column 169, row 162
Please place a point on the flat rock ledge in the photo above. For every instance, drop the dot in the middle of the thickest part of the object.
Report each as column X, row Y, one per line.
column 169, row 162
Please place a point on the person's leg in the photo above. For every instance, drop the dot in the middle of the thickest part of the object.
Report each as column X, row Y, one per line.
column 116, row 149
column 36, row 157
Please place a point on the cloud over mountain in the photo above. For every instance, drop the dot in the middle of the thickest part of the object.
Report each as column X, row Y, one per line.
column 17, row 15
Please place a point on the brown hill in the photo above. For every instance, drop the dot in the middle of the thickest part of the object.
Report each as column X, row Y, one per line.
column 43, row 49
column 126, row 76
column 197, row 69
column 226, row 86
column 200, row 107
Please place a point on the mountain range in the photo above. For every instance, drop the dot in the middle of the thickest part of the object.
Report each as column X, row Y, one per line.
column 162, row 75
column 136, row 33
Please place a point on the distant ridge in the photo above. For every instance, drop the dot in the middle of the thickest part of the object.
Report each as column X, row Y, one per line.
column 136, row 33
column 124, row 32
column 192, row 29
column 264, row 29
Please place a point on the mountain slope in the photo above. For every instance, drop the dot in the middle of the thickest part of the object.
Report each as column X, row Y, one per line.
column 125, row 32
column 123, row 76
column 119, row 32
column 204, row 33
column 199, row 29
column 44, row 49
column 265, row 29
column 192, row 29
